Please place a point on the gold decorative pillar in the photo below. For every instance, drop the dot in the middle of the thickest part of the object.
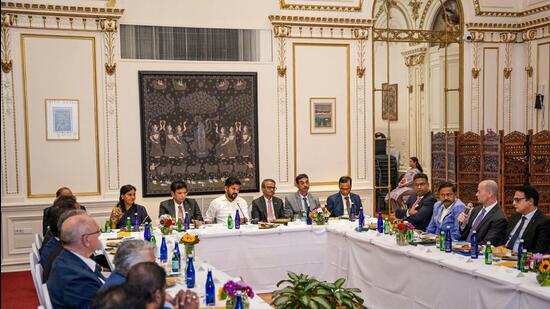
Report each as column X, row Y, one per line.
column 281, row 33
column 529, row 91
column 508, row 38
column 414, row 60
column 361, row 35
column 476, row 112
column 10, row 162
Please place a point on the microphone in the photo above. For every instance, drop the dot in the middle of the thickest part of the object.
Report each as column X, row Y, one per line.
column 468, row 208
column 245, row 218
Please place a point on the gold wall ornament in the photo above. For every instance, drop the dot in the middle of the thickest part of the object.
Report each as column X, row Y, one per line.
column 507, row 73
column 475, row 72
column 281, row 31
column 415, row 6
column 536, row 10
column 308, row 27
column 312, row 6
column 110, row 64
column 508, row 37
column 419, row 36
column 361, row 35
column 508, row 58
column 7, row 64
column 529, row 71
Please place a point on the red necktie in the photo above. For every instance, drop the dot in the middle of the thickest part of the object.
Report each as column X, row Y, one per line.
column 270, row 215
column 416, row 202
column 180, row 212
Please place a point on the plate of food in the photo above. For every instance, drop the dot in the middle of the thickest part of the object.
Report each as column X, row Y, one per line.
column 465, row 247
column 171, row 281
column 113, row 243
column 111, row 250
column 503, row 252
column 281, row 220
column 267, row 225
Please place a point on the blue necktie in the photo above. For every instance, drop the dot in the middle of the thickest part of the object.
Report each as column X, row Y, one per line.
column 514, row 238
column 476, row 223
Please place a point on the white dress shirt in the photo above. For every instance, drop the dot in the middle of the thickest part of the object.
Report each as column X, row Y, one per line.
column 220, row 208
column 487, row 209
column 345, row 213
column 528, row 217
column 445, row 211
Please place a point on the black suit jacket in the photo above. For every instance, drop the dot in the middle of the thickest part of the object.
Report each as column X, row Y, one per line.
column 46, row 217
column 492, row 228
column 72, row 284
column 259, row 209
column 537, row 233
column 189, row 205
column 425, row 208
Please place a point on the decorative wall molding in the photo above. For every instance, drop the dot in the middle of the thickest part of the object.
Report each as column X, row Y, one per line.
column 415, row 36
column 511, row 32
column 507, row 95
column 58, row 17
column 480, row 12
column 306, row 27
column 415, row 56
column 321, row 7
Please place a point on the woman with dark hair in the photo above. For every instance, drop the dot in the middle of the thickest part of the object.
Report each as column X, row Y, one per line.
column 404, row 188
column 126, row 208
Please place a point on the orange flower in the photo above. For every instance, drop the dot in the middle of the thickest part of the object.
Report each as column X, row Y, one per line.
column 544, row 266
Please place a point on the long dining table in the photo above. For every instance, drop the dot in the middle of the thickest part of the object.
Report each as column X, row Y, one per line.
column 389, row 276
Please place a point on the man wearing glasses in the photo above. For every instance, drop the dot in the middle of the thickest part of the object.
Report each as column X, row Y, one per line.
column 419, row 206
column 488, row 220
column 529, row 223
column 266, row 208
column 75, row 277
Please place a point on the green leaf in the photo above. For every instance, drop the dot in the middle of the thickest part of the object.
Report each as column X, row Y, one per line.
column 322, row 291
column 347, row 303
column 321, row 301
column 338, row 297
column 293, row 276
column 354, row 290
column 339, row 283
column 311, row 285
column 280, row 301
column 283, row 281
column 287, row 290
column 313, row 305
column 304, row 299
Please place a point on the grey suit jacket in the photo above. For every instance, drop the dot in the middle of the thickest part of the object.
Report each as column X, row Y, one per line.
column 259, row 209
column 189, row 205
column 294, row 203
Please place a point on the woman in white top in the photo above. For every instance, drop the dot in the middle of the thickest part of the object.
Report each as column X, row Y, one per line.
column 404, row 188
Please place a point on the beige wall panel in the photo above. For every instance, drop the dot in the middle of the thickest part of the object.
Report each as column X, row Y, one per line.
column 491, row 89
column 60, row 67
column 324, row 157
column 542, row 84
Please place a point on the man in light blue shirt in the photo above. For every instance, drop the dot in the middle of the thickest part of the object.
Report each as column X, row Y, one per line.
column 446, row 211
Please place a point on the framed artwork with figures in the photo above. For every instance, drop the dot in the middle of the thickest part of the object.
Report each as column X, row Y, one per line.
column 322, row 115
column 62, row 119
column 199, row 127
column 389, row 102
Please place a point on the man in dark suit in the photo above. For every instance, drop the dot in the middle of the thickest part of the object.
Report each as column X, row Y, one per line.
column 529, row 223
column 419, row 206
column 75, row 278
column 266, row 208
column 179, row 204
column 488, row 220
column 61, row 192
column 342, row 203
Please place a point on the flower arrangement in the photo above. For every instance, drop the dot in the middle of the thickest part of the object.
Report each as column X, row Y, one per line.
column 404, row 233
column 166, row 222
column 189, row 240
column 320, row 215
column 541, row 265
column 229, row 292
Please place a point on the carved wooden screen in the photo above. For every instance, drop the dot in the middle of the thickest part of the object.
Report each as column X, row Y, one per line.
column 451, row 156
column 491, row 156
column 469, row 166
column 539, row 168
column 438, row 160
column 514, row 167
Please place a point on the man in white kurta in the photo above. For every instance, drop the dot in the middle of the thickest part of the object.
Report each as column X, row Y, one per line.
column 228, row 204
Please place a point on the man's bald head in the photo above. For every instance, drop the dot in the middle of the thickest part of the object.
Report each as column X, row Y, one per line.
column 79, row 233
column 487, row 192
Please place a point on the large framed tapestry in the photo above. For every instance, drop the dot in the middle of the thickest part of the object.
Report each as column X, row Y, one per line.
column 199, row 127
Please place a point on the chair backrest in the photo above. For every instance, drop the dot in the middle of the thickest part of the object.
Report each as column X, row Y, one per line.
column 33, row 262
column 38, row 277
column 35, row 252
column 38, row 240
column 47, row 300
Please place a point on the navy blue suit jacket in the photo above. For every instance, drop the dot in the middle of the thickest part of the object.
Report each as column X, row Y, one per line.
column 335, row 204
column 72, row 284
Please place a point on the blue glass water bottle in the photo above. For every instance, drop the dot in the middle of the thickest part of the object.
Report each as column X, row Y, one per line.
column 210, row 289
column 448, row 240
column 473, row 245
column 190, row 273
column 147, row 232
column 239, row 301
column 352, row 213
column 380, row 227
column 186, row 222
column 163, row 251
column 308, row 218
column 361, row 219
column 237, row 220
column 177, row 251
column 520, row 251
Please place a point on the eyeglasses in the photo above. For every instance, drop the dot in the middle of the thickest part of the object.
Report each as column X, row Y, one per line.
column 98, row 232
column 271, row 188
column 518, row 199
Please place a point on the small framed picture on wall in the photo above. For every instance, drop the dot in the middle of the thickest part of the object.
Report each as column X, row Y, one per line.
column 322, row 115
column 62, row 119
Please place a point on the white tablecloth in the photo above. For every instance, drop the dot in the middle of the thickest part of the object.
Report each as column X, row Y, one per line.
column 389, row 276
